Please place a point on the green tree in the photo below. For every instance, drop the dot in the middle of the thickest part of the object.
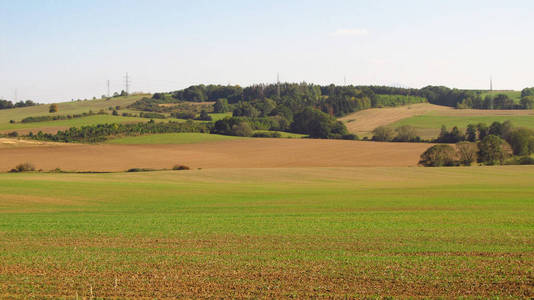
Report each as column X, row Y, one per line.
column 406, row 133
column 522, row 141
column 471, row 133
column 467, row 153
column 492, row 150
column 242, row 129
column 383, row 134
column 53, row 108
column 438, row 156
column 204, row 116
column 221, row 106
column 483, row 130
column 318, row 124
column 527, row 102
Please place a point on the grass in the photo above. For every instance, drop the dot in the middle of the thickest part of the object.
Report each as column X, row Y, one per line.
column 269, row 233
column 435, row 122
column 66, row 108
column 76, row 122
column 515, row 95
column 173, row 138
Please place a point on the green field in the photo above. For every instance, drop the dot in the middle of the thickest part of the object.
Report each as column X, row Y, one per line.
column 173, row 138
column 434, row 121
column 76, row 122
column 66, row 108
column 515, row 95
column 269, row 233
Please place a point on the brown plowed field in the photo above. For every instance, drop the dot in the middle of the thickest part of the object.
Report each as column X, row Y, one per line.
column 248, row 153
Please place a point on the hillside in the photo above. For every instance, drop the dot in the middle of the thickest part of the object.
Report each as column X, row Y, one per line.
column 64, row 108
column 429, row 118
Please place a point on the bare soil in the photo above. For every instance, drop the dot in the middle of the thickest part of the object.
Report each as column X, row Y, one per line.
column 248, row 153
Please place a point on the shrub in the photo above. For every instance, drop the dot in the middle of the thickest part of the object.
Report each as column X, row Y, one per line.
column 406, row 133
column 351, row 136
column 383, row 134
column 267, row 134
column 13, row 134
column 140, row 170
column 12, row 121
column 180, row 167
column 525, row 160
column 24, row 167
column 438, row 156
column 115, row 113
column 204, row 116
column 242, row 129
column 53, row 108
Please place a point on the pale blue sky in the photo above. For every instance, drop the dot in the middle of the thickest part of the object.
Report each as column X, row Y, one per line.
column 59, row 50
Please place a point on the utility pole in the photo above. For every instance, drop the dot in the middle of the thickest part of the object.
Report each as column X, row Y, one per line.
column 108, row 89
column 127, row 83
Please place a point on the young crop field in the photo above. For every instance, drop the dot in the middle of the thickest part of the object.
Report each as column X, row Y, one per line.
column 301, row 232
column 63, row 124
column 66, row 108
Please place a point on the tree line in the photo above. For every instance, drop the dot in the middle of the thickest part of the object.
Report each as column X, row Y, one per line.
column 102, row 132
column 6, row 104
column 497, row 144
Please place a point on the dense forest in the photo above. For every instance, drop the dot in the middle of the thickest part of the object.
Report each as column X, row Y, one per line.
column 278, row 107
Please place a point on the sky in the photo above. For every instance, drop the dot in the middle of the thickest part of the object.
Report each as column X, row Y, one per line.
column 62, row 50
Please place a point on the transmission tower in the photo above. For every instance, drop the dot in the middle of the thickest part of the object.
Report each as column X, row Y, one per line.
column 127, row 83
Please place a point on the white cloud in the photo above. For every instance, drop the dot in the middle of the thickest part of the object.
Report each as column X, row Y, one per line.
column 350, row 32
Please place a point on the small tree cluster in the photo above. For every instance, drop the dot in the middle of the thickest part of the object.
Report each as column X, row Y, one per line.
column 491, row 150
column 404, row 133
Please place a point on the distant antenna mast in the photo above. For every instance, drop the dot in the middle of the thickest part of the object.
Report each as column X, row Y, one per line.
column 108, row 89
column 127, row 83
column 278, row 85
